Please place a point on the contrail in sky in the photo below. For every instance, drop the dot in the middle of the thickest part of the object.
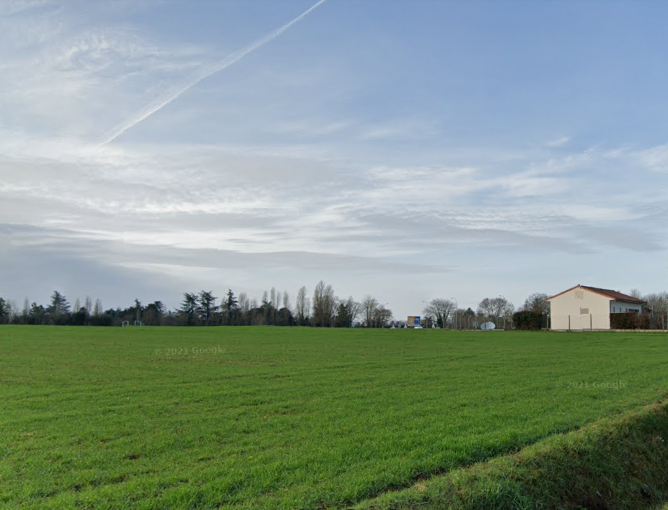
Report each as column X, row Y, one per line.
column 202, row 74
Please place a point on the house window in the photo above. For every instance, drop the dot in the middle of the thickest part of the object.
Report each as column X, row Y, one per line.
column 584, row 311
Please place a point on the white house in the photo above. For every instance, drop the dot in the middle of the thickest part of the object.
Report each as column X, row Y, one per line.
column 583, row 307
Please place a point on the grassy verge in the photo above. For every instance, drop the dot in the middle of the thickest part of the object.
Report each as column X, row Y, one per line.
column 619, row 463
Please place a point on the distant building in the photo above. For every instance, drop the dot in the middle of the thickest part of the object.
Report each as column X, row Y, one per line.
column 583, row 307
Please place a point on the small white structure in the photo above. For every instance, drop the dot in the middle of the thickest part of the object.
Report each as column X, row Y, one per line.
column 583, row 307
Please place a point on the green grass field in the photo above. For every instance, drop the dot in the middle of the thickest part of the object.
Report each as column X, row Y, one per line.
column 266, row 418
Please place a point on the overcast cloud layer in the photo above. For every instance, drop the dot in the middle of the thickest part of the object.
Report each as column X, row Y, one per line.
column 409, row 150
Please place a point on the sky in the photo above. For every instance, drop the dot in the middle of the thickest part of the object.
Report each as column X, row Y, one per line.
column 406, row 150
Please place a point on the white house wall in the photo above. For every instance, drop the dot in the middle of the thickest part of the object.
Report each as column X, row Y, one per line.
column 580, row 309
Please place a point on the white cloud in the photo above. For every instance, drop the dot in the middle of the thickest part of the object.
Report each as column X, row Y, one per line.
column 655, row 158
column 408, row 128
column 558, row 142
column 61, row 78
column 13, row 7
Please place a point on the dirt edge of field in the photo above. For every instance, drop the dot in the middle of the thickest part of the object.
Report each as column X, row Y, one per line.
column 614, row 463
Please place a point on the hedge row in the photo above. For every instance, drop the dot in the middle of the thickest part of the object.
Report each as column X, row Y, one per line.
column 527, row 320
column 629, row 320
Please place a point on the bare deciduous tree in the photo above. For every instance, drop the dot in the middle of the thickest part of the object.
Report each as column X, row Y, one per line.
column 498, row 309
column 97, row 310
column 324, row 305
column 302, row 307
column 26, row 311
column 440, row 309
column 657, row 307
column 244, row 303
column 537, row 303
column 138, row 309
column 369, row 306
column 346, row 312
column 381, row 316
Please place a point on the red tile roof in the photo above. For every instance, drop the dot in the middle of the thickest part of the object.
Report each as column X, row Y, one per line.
column 617, row 296
column 612, row 294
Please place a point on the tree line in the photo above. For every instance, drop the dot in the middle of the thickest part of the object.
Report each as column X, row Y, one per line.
column 322, row 308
